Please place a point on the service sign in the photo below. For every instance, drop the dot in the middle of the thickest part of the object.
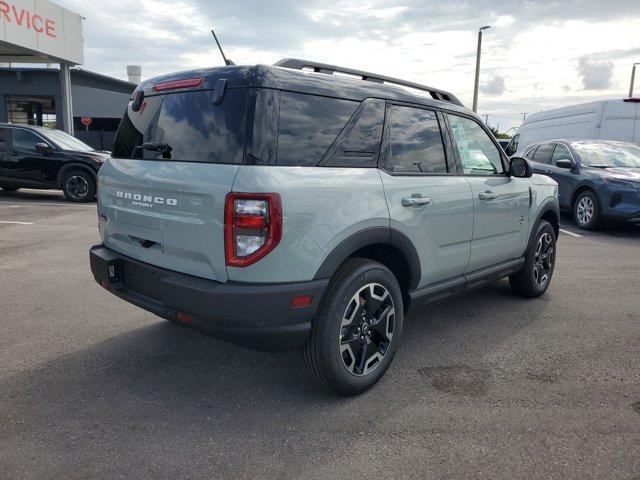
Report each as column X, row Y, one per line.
column 40, row 27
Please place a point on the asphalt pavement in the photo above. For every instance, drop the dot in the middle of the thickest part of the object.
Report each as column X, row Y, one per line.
column 484, row 386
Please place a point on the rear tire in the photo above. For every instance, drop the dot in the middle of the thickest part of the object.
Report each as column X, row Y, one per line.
column 356, row 330
column 8, row 188
column 79, row 186
column 540, row 259
column 586, row 210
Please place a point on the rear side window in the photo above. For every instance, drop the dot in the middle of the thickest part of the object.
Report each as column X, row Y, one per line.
column 189, row 123
column 415, row 141
column 308, row 125
column 358, row 145
column 543, row 153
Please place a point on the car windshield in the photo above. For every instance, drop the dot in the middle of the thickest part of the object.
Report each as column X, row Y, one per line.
column 67, row 142
column 608, row 155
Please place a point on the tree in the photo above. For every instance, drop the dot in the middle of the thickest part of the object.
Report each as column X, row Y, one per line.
column 497, row 134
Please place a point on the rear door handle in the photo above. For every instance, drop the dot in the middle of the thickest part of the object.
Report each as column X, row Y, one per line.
column 416, row 201
column 488, row 195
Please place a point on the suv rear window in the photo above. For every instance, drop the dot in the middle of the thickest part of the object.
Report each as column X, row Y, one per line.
column 190, row 123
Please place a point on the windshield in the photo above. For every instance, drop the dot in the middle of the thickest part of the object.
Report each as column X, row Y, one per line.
column 67, row 142
column 608, row 155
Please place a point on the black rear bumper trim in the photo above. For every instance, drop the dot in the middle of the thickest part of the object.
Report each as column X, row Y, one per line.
column 258, row 316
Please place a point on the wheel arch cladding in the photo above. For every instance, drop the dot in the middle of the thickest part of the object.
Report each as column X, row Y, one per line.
column 551, row 213
column 387, row 246
column 74, row 166
column 581, row 188
column 551, row 216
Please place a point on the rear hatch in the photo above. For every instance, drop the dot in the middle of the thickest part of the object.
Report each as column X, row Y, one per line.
column 161, row 195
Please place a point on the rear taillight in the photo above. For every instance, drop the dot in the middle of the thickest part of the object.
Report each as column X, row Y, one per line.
column 252, row 227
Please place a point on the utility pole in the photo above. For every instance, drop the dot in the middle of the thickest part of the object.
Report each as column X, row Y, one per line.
column 486, row 118
column 478, row 53
column 524, row 116
column 633, row 78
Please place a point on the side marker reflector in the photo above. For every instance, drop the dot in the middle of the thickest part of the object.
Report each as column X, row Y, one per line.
column 301, row 301
column 184, row 317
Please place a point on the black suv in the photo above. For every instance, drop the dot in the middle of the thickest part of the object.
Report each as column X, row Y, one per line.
column 43, row 158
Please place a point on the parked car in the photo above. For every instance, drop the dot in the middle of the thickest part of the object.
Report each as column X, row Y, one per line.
column 44, row 158
column 598, row 180
column 279, row 208
column 603, row 120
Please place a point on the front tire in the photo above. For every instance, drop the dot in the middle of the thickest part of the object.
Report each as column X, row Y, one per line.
column 356, row 330
column 535, row 276
column 586, row 210
column 79, row 186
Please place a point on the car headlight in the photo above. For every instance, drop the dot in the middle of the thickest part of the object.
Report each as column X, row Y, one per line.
column 623, row 184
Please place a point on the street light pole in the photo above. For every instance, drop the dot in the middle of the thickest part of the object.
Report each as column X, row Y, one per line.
column 633, row 78
column 475, row 89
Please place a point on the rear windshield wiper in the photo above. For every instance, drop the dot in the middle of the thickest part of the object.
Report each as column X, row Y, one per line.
column 163, row 148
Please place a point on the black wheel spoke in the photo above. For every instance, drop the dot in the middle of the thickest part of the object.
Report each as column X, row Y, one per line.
column 372, row 304
column 363, row 355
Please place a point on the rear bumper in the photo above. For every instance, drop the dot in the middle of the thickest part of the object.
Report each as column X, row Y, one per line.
column 258, row 316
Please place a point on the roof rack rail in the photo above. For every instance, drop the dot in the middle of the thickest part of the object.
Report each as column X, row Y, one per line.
column 317, row 67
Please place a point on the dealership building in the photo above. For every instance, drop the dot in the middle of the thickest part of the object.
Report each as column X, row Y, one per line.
column 34, row 96
column 36, row 34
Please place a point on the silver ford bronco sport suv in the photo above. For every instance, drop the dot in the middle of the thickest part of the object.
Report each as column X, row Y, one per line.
column 283, row 207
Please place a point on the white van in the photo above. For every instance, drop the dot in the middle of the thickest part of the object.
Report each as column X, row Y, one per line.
column 605, row 120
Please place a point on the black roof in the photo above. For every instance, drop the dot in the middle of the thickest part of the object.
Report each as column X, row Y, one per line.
column 316, row 83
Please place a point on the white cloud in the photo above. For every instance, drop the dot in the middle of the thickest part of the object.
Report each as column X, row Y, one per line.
column 596, row 74
column 535, row 51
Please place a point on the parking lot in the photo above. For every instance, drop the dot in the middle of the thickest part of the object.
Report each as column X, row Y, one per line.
column 485, row 386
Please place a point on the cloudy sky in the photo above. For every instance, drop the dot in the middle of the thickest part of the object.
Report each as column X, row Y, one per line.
column 538, row 53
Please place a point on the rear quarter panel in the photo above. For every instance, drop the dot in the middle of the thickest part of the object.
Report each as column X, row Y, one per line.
column 321, row 208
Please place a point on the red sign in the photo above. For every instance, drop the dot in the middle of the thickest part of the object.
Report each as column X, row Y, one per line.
column 27, row 19
column 86, row 121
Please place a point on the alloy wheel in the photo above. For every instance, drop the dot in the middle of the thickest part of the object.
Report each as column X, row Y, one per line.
column 543, row 259
column 367, row 329
column 77, row 186
column 585, row 210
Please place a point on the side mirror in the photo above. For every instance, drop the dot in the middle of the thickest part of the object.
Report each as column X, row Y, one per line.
column 564, row 163
column 42, row 147
column 520, row 167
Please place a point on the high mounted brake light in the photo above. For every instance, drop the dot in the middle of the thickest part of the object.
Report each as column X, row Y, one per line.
column 252, row 227
column 175, row 84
